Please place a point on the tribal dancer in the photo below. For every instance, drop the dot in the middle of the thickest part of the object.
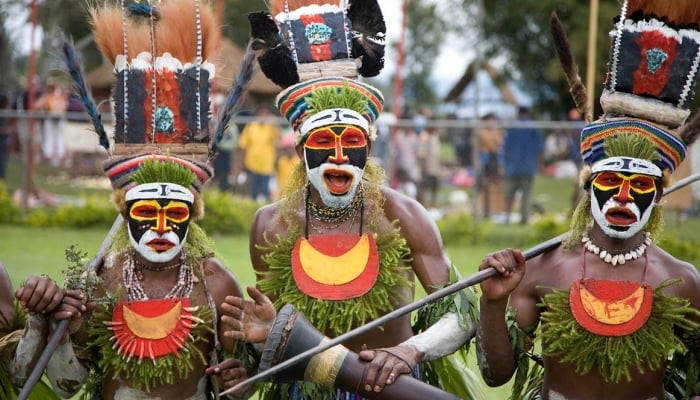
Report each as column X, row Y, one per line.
column 610, row 304
column 340, row 246
column 155, row 332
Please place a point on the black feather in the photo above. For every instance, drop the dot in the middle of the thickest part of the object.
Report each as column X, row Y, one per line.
column 233, row 102
column 276, row 60
column 75, row 69
column 690, row 131
column 366, row 17
column 368, row 35
column 370, row 53
column 278, row 65
column 263, row 31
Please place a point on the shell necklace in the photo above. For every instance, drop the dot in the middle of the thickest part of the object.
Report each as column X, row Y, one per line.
column 616, row 258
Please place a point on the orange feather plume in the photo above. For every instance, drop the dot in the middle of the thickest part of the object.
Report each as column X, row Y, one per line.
column 675, row 12
column 175, row 31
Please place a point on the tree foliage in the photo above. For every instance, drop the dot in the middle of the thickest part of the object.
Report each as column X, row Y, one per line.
column 518, row 34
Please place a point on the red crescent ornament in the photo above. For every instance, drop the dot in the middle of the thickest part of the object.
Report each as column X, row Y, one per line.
column 152, row 328
column 336, row 266
column 610, row 308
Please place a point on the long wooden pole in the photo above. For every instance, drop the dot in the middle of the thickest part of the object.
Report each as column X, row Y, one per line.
column 591, row 61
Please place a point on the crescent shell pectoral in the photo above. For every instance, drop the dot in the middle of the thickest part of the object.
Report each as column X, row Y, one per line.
column 157, row 327
column 612, row 312
column 334, row 270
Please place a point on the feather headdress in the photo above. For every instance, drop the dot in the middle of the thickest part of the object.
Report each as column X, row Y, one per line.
column 652, row 72
column 315, row 49
column 307, row 39
column 161, row 98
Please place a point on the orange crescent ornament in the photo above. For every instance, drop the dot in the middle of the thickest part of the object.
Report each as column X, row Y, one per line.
column 610, row 308
column 152, row 328
column 336, row 266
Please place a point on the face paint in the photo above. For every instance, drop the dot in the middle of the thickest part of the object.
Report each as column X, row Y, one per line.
column 158, row 228
column 621, row 203
column 335, row 157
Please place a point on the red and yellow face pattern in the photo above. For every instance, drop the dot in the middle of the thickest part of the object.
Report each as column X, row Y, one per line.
column 158, row 227
column 336, row 144
column 621, row 202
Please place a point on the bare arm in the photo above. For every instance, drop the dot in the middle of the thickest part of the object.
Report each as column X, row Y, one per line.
column 266, row 226
column 495, row 354
column 221, row 283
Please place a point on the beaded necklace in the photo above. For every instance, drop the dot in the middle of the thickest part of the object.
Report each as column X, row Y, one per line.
column 133, row 275
column 334, row 215
column 616, row 258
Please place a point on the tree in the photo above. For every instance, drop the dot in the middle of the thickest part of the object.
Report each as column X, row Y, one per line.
column 518, row 34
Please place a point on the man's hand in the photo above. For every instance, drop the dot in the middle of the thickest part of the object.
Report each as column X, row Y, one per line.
column 229, row 373
column 249, row 321
column 386, row 364
column 39, row 295
column 510, row 265
column 73, row 307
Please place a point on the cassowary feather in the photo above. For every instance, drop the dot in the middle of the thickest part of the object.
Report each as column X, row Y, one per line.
column 566, row 59
column 233, row 101
column 75, row 69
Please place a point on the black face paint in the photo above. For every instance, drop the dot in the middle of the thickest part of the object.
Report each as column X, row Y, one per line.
column 159, row 215
column 336, row 144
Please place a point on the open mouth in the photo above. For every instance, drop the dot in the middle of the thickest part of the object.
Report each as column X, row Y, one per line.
column 620, row 216
column 160, row 245
column 337, row 181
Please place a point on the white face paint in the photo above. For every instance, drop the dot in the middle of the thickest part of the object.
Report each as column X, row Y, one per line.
column 145, row 245
column 317, row 177
column 617, row 231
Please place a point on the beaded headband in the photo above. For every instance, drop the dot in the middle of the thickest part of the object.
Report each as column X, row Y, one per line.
column 293, row 102
column 121, row 170
column 170, row 191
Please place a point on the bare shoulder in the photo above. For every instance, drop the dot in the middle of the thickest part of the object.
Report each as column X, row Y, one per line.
column 220, row 281
column 554, row 268
column 663, row 266
column 399, row 206
column 266, row 221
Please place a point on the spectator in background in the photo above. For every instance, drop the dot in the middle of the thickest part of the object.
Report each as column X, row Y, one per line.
column 574, row 136
column 429, row 157
column 7, row 128
column 55, row 103
column 522, row 150
column 381, row 149
column 490, row 180
column 223, row 161
column 287, row 159
column 407, row 167
column 258, row 141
